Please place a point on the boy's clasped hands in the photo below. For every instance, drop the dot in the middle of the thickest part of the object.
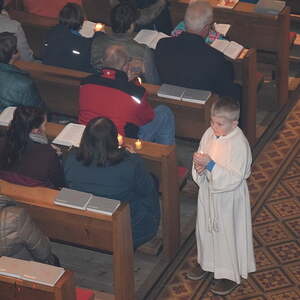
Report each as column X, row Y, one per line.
column 200, row 161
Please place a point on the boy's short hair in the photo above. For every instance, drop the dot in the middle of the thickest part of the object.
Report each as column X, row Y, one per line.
column 71, row 15
column 8, row 46
column 122, row 16
column 226, row 107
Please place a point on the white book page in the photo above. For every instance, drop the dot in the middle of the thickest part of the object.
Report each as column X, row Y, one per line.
column 70, row 135
column 220, row 45
column 222, row 28
column 233, row 50
column 7, row 115
column 87, row 29
column 149, row 37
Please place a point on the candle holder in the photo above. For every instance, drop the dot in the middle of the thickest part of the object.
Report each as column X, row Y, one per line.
column 138, row 145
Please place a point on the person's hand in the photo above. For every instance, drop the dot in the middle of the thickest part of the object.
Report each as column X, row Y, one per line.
column 201, row 158
column 129, row 148
column 57, row 150
column 199, row 167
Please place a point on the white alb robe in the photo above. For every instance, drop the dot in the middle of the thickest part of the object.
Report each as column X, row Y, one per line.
column 223, row 226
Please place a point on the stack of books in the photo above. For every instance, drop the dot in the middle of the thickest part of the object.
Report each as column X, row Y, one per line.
column 86, row 201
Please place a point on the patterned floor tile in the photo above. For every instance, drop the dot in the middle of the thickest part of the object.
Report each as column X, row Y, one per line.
column 271, row 279
column 263, row 216
column 247, row 288
column 279, row 193
column 293, row 270
column 293, row 185
column 272, row 233
column 294, row 226
column 264, row 259
column 286, row 252
column 293, row 170
column 290, row 294
column 285, row 209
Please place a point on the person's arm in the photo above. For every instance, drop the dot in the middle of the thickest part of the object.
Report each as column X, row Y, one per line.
column 30, row 96
column 55, row 170
column 22, row 45
column 34, row 240
column 151, row 73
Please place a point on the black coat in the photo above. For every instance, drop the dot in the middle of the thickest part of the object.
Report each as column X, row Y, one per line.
column 63, row 48
column 188, row 61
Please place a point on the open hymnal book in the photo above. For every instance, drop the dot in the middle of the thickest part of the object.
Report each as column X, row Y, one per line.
column 70, row 135
column 103, row 205
column 231, row 49
column 7, row 115
column 222, row 28
column 227, row 3
column 183, row 94
column 87, row 29
column 149, row 37
column 73, row 198
column 30, row 270
column 272, row 7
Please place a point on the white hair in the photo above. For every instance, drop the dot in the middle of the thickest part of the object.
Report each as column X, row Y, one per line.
column 198, row 14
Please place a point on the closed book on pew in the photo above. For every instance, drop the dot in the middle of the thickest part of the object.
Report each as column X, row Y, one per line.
column 42, row 273
column 103, row 205
column 12, row 267
column 72, row 198
column 70, row 135
column 183, row 94
column 7, row 115
column 272, row 7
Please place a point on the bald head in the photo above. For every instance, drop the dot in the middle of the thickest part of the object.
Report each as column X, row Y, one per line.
column 115, row 57
column 198, row 15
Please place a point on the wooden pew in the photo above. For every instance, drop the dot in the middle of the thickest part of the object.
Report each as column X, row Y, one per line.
column 263, row 32
column 14, row 288
column 59, row 88
column 84, row 228
column 161, row 161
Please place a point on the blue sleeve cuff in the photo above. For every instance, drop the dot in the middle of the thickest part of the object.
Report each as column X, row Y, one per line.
column 210, row 165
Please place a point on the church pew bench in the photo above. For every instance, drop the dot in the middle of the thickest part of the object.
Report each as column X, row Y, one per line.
column 14, row 289
column 59, row 88
column 88, row 229
column 161, row 161
column 266, row 33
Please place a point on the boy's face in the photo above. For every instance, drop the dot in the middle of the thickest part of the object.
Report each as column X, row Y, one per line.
column 222, row 126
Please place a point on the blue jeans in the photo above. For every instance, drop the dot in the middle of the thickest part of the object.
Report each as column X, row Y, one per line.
column 161, row 129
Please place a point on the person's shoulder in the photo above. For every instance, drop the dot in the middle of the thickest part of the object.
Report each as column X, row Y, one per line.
column 239, row 140
column 166, row 42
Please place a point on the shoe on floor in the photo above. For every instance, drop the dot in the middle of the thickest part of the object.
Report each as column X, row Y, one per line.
column 223, row 287
column 196, row 273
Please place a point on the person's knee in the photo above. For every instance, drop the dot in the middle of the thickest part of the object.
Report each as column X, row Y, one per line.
column 164, row 110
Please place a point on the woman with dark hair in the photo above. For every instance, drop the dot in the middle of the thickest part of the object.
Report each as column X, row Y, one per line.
column 25, row 155
column 100, row 167
column 64, row 45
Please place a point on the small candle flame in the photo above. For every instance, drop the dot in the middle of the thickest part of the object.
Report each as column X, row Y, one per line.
column 99, row 27
column 138, row 145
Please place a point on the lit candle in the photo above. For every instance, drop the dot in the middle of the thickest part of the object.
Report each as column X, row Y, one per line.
column 139, row 80
column 99, row 27
column 138, row 145
column 120, row 140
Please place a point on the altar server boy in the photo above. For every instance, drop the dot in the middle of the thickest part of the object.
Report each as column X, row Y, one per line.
column 223, row 227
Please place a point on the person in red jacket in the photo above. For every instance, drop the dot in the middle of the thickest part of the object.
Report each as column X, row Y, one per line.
column 110, row 94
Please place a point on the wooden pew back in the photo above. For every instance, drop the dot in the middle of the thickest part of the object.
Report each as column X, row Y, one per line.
column 84, row 228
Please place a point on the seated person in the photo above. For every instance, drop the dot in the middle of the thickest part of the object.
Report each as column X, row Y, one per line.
column 64, row 46
column 13, row 26
column 16, row 86
column 100, row 167
column 25, row 155
column 186, row 60
column 46, row 8
column 20, row 238
column 110, row 94
column 153, row 14
column 123, row 18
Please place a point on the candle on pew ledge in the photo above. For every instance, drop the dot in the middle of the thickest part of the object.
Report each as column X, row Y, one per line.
column 120, row 140
column 99, row 27
column 139, row 80
column 138, row 144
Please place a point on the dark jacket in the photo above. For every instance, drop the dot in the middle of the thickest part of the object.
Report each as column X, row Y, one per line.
column 17, row 88
column 63, row 48
column 19, row 236
column 188, row 61
column 127, row 181
column 39, row 165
